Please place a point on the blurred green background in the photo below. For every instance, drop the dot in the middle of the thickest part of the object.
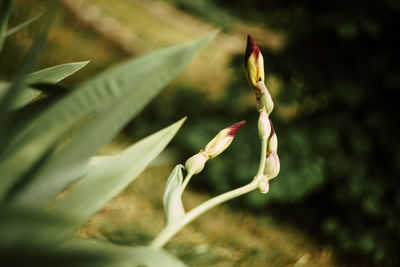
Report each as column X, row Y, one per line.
column 332, row 69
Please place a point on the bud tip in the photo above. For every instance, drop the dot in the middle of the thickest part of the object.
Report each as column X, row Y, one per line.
column 251, row 48
column 235, row 127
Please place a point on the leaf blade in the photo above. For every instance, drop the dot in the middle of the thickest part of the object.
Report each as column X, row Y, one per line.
column 102, row 184
column 23, row 25
column 49, row 75
column 112, row 98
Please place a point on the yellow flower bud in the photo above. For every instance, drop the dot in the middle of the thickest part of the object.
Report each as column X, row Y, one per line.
column 195, row 164
column 253, row 63
column 264, row 126
column 222, row 140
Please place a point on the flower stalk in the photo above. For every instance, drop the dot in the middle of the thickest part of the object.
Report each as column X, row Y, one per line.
column 268, row 167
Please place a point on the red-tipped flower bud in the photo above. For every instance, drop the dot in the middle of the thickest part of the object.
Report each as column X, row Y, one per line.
column 222, row 140
column 253, row 63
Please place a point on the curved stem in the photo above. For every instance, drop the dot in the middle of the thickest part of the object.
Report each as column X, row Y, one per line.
column 168, row 232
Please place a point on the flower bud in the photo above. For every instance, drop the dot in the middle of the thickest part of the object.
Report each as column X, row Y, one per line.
column 264, row 126
column 253, row 63
column 272, row 165
column 195, row 164
column 273, row 140
column 264, row 99
column 222, row 140
column 263, row 185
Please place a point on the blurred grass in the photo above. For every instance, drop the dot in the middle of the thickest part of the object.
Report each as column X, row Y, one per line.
column 225, row 236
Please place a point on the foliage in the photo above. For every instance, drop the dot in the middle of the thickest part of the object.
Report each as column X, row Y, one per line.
column 47, row 144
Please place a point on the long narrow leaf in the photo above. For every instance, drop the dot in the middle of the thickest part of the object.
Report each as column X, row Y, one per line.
column 109, row 179
column 23, row 25
column 16, row 87
column 25, row 67
column 6, row 7
column 48, row 75
column 113, row 98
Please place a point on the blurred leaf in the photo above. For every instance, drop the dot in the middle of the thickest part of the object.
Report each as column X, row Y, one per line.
column 111, row 91
column 48, row 75
column 31, row 236
column 16, row 87
column 56, row 73
column 23, row 25
column 114, row 255
column 6, row 7
column 108, row 179
column 22, row 227
column 173, row 206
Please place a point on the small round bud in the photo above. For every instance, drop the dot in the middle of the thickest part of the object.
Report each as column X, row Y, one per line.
column 273, row 143
column 272, row 165
column 263, row 185
column 195, row 164
column 273, row 140
column 264, row 126
column 264, row 98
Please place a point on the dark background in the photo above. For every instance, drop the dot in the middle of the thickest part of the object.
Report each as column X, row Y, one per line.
column 339, row 148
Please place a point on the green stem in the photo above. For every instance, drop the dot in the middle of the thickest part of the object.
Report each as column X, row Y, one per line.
column 186, row 181
column 263, row 157
column 168, row 232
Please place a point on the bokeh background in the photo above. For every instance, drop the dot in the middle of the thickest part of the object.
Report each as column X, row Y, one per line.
column 333, row 71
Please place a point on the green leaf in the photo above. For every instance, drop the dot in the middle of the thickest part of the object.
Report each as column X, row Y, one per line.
column 56, row 73
column 32, row 236
column 112, row 99
column 6, row 6
column 48, row 75
column 173, row 206
column 111, row 177
column 16, row 87
column 23, row 25
column 21, row 227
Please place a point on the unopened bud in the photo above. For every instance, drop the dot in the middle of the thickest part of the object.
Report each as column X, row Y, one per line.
column 264, row 126
column 253, row 63
column 222, row 140
column 272, row 165
column 273, row 140
column 195, row 164
column 264, row 98
column 263, row 185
